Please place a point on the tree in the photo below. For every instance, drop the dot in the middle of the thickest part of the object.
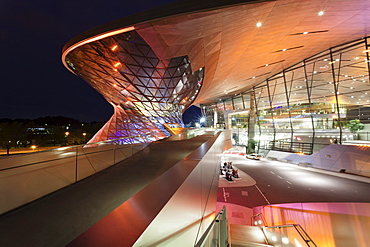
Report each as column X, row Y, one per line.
column 355, row 125
column 251, row 146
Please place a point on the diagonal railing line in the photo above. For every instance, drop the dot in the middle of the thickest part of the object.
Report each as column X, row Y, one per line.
column 71, row 147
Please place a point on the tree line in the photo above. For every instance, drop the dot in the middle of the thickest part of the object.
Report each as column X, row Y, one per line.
column 45, row 131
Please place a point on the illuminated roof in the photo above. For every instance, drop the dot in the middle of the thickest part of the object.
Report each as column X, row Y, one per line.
column 224, row 37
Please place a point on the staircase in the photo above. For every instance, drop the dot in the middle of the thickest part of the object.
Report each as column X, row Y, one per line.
column 247, row 236
column 221, row 233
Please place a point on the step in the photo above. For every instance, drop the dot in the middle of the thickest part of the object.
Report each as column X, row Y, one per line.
column 242, row 234
column 237, row 244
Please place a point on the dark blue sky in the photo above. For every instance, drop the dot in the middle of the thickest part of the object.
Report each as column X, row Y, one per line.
column 33, row 81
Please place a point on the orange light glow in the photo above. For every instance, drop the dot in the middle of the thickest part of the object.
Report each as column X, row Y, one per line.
column 95, row 38
column 114, row 47
column 117, row 64
column 363, row 145
column 212, row 217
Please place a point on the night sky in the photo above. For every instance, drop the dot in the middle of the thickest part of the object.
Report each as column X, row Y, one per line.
column 34, row 83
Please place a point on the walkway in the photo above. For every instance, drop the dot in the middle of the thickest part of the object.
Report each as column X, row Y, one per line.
column 59, row 218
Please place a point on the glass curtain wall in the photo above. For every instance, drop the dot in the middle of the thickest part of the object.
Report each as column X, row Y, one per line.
column 307, row 106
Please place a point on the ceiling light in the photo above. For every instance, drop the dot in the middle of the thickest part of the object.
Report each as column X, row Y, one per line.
column 321, row 13
column 259, row 24
column 305, row 32
column 114, row 47
column 285, row 240
column 365, row 51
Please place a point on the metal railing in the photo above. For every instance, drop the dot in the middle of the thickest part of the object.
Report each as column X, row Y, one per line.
column 217, row 233
column 283, row 235
column 28, row 177
column 68, row 152
column 258, row 219
column 286, row 146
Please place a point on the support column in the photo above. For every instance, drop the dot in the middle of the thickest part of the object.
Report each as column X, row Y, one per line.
column 251, row 124
column 336, row 90
column 215, row 117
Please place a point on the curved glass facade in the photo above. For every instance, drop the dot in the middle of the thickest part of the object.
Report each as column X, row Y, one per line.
column 305, row 107
column 147, row 93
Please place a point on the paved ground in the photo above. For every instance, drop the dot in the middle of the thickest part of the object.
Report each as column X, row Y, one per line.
column 57, row 219
column 13, row 151
column 277, row 182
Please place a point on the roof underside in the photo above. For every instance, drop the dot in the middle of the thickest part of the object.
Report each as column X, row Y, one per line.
column 235, row 53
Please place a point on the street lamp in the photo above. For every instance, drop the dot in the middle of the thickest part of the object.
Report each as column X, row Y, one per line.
column 33, row 148
column 84, row 134
column 66, row 134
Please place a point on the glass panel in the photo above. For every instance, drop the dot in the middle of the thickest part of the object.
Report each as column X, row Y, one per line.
column 228, row 105
column 238, row 103
column 325, row 92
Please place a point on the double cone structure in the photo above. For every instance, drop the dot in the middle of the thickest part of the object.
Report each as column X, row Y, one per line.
column 147, row 93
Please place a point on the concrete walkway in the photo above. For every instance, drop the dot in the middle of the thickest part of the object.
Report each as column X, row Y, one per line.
column 59, row 218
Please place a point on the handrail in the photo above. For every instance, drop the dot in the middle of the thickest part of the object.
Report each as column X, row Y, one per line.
column 72, row 147
column 222, row 234
column 51, row 170
column 258, row 223
column 304, row 235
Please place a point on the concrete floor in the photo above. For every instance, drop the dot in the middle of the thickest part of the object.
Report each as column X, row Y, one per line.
column 60, row 217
